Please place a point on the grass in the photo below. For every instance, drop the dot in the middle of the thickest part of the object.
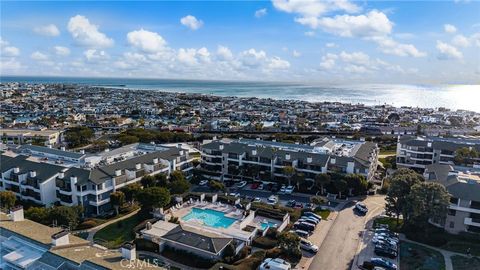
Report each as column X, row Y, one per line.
column 465, row 263
column 82, row 235
column 384, row 152
column 323, row 213
column 119, row 232
column 413, row 256
column 390, row 221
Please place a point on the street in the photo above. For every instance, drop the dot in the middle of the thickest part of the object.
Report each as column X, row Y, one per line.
column 339, row 247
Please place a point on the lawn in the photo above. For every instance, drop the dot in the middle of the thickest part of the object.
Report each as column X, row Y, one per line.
column 115, row 234
column 323, row 213
column 413, row 256
column 390, row 221
column 465, row 263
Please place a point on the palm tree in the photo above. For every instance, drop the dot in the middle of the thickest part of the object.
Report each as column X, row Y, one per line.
column 299, row 179
column 321, row 180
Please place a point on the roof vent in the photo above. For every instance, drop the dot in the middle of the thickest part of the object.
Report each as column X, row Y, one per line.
column 16, row 170
column 138, row 166
column 155, row 160
column 287, row 156
column 254, row 152
column 33, row 174
column 129, row 251
column 60, row 239
column 220, row 147
column 309, row 159
column 118, row 172
column 16, row 213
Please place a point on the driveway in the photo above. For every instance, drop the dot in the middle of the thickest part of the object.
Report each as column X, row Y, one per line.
column 340, row 245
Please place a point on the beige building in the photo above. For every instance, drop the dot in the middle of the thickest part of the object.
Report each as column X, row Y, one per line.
column 23, row 136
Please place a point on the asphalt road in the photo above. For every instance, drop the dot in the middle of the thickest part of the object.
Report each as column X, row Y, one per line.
column 340, row 245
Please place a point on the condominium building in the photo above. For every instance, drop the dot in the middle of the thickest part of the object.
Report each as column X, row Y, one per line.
column 22, row 136
column 464, row 188
column 266, row 160
column 46, row 184
column 416, row 152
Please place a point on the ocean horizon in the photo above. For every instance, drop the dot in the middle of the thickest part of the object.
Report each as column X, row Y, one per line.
column 453, row 96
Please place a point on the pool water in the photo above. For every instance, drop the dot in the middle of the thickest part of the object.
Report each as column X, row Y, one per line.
column 209, row 217
column 264, row 225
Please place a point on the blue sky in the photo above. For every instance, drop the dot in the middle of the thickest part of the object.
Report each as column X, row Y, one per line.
column 284, row 40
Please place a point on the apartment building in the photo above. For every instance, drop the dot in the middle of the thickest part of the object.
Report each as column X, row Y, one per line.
column 464, row 188
column 266, row 160
column 46, row 184
column 416, row 152
column 22, row 136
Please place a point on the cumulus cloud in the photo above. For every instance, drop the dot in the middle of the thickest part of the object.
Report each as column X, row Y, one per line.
column 448, row 28
column 224, row 53
column 330, row 45
column 328, row 61
column 94, row 55
column 38, row 56
column 461, row 41
column 261, row 12
column 193, row 56
column 355, row 57
column 314, row 8
column 62, row 51
column 49, row 30
column 146, row 41
column 296, row 53
column 87, row 34
column 278, row 63
column 7, row 50
column 389, row 46
column 191, row 22
column 447, row 51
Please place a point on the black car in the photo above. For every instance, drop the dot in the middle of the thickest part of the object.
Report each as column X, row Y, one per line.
column 291, row 203
column 304, row 226
column 385, row 252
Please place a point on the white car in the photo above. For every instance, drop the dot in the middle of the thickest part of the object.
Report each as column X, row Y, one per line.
column 234, row 194
column 308, row 246
column 242, row 184
column 283, row 188
column 257, row 200
column 289, row 189
column 272, row 200
column 203, row 183
column 260, row 186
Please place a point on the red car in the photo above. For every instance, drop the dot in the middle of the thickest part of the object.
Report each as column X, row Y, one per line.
column 254, row 186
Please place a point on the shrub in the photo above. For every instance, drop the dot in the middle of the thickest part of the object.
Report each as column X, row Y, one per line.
column 264, row 242
column 273, row 253
column 87, row 224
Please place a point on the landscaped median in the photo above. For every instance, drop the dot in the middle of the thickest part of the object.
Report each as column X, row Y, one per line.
column 413, row 256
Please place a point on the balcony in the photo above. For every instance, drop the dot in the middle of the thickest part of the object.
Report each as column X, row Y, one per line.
column 472, row 222
column 31, row 195
column 31, row 183
column 99, row 202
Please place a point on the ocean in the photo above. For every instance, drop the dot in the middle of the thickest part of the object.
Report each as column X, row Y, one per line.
column 466, row 97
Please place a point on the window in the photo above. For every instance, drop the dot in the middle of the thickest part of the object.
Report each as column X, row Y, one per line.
column 452, row 212
column 452, row 224
column 454, row 200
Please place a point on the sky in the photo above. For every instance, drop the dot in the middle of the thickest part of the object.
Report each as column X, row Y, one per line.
column 430, row 42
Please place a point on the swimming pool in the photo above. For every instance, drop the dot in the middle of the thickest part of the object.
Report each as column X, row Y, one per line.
column 266, row 224
column 209, row 217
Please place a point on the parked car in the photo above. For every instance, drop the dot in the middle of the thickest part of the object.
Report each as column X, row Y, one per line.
column 387, row 244
column 234, row 194
column 260, row 186
column 283, row 189
column 309, row 206
column 308, row 246
column 387, row 235
column 383, row 263
column 311, row 214
column 254, row 186
column 291, row 203
column 257, row 200
column 298, row 205
column 386, row 239
column 385, row 252
column 302, row 233
column 361, row 208
column 203, row 183
column 316, row 221
column 242, row 184
column 309, row 221
column 386, row 231
column 289, row 189
column 272, row 200
column 304, row 226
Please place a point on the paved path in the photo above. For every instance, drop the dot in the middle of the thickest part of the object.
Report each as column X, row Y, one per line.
column 340, row 245
column 94, row 230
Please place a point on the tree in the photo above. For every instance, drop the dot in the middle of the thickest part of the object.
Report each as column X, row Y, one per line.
column 7, row 199
column 321, row 180
column 117, row 199
column 161, row 180
column 299, row 179
column 127, row 139
column 65, row 215
column 217, row 186
column 427, row 201
column 178, row 183
column 465, row 155
column 148, row 181
column 341, row 186
column 288, row 171
column 131, row 191
column 38, row 214
column 153, row 197
column 78, row 136
column 290, row 244
column 177, row 176
column 400, row 184
column 357, row 182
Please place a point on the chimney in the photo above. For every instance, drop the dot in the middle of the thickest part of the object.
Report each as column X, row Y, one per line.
column 16, row 213
column 60, row 239
column 429, row 144
column 148, row 225
column 62, row 148
column 254, row 152
column 73, row 179
column 82, row 151
column 287, row 156
column 297, row 143
column 61, row 175
column 182, row 152
column 49, row 146
column 274, row 140
column 33, row 174
column 179, row 145
column 16, row 170
column 118, row 172
column 220, row 147
column 138, row 166
column 155, row 160
column 309, row 159
column 332, row 161
column 258, row 139
column 129, row 251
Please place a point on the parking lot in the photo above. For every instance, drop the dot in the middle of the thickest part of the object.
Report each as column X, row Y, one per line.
column 366, row 249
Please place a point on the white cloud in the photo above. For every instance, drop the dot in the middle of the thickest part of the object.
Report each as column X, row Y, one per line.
column 389, row 46
column 309, row 33
column 224, row 53
column 314, row 8
column 7, row 50
column 330, row 45
column 193, row 56
column 261, row 12
column 374, row 23
column 448, row 51
column 356, row 69
column 296, row 53
column 146, row 41
column 476, row 39
column 328, row 61
column 49, row 30
column 38, row 56
column 94, row 55
column 253, row 58
column 191, row 22
column 355, row 57
column 278, row 63
column 461, row 41
column 87, row 34
column 62, row 51
column 448, row 28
